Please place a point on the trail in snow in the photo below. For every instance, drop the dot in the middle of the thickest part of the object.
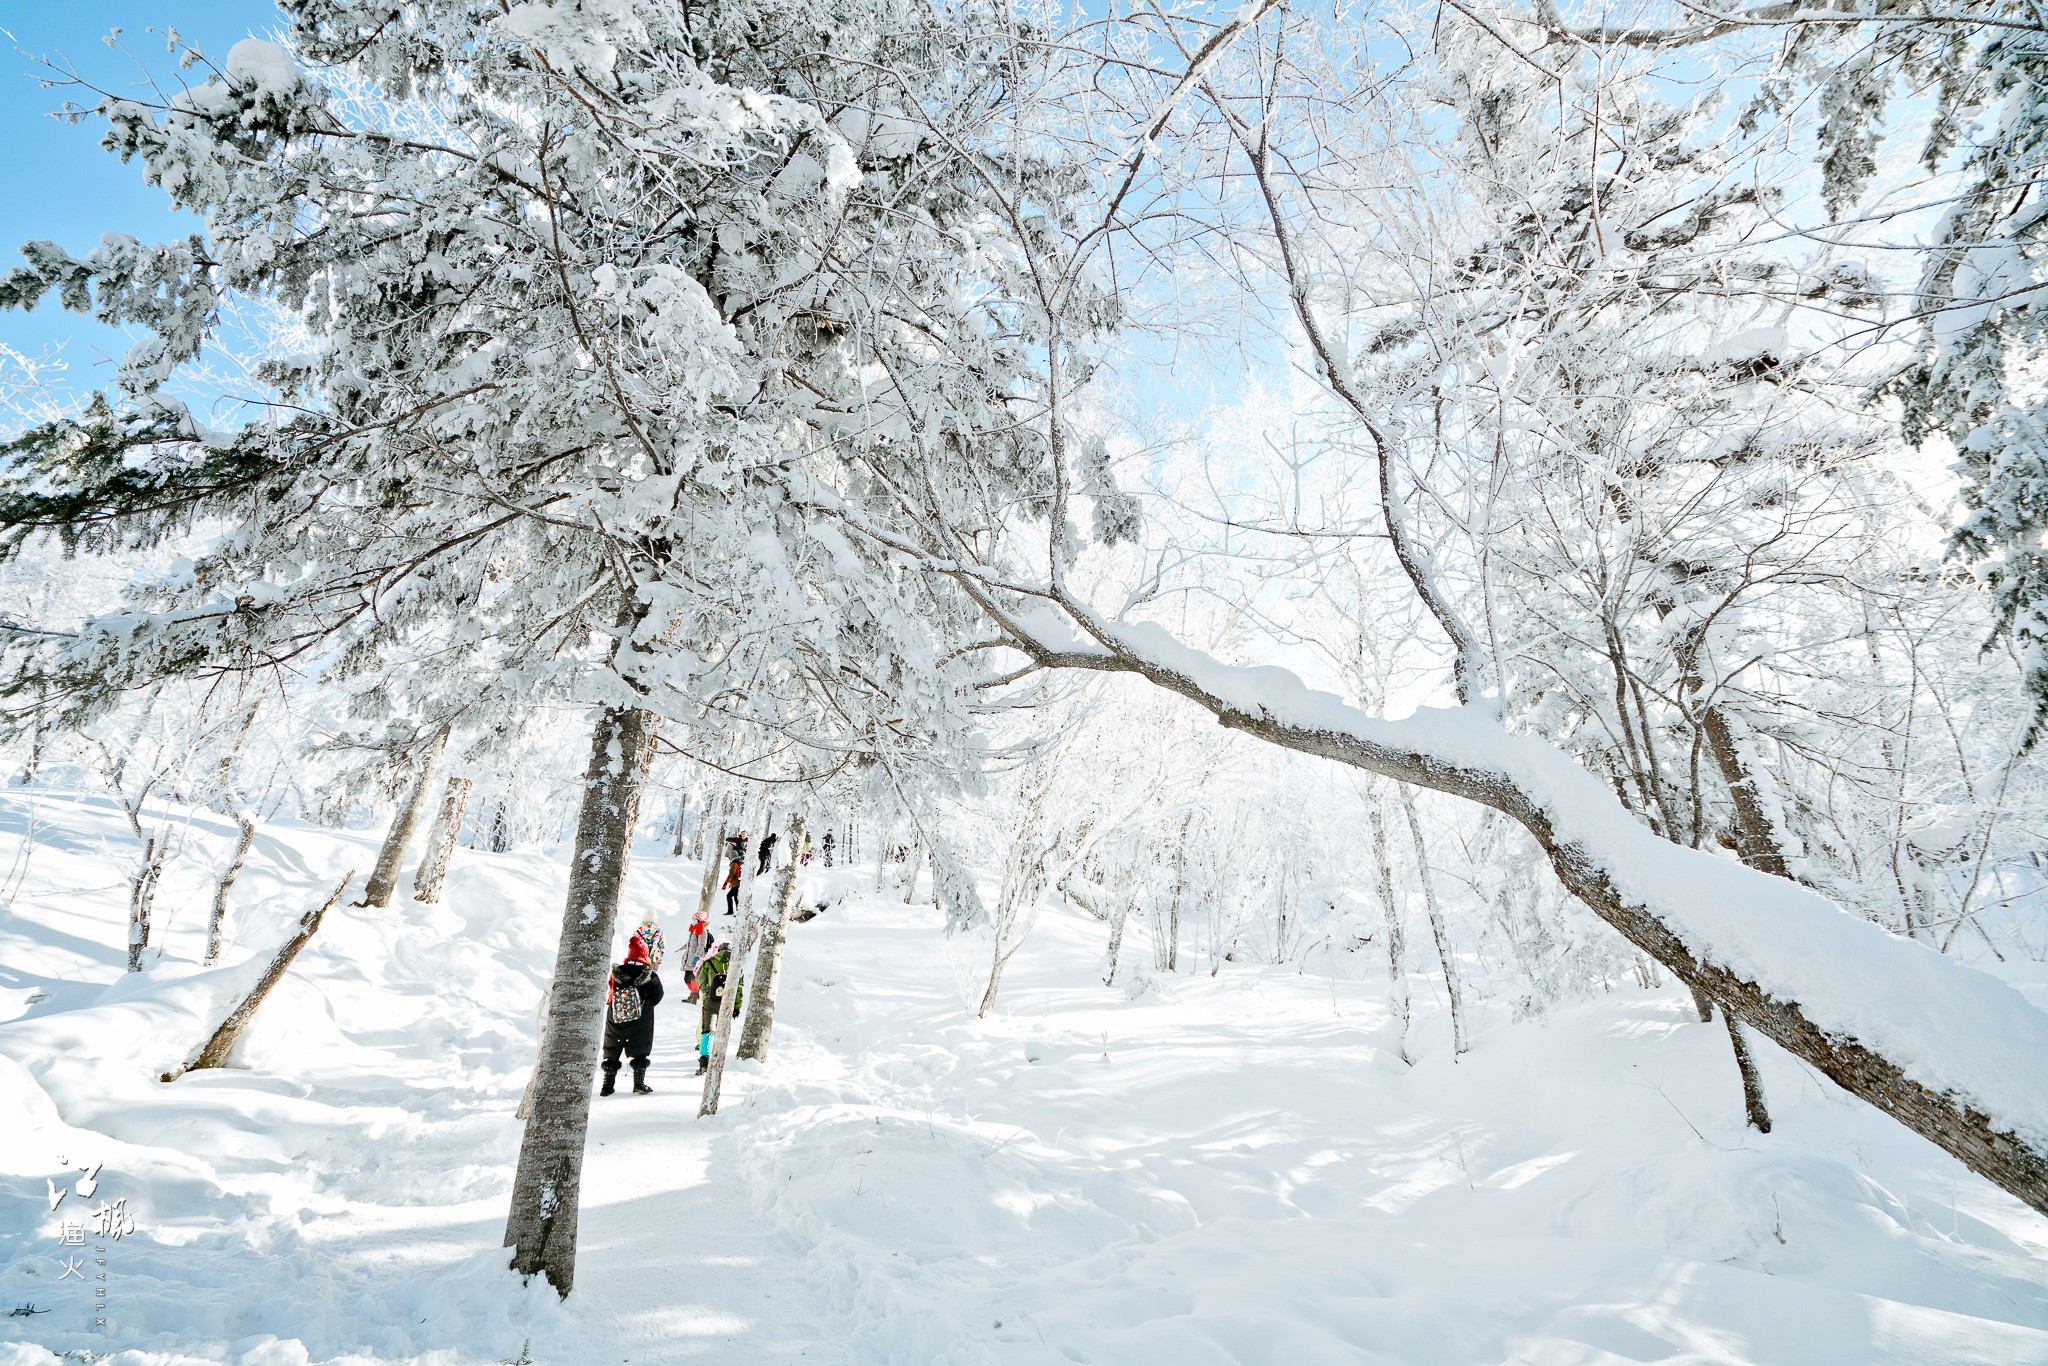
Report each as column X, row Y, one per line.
column 1227, row 1169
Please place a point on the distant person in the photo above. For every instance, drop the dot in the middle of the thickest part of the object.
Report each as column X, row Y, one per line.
column 711, row 988
column 767, row 852
column 694, row 949
column 630, row 1000
column 732, row 878
column 649, row 934
column 805, row 856
column 828, row 848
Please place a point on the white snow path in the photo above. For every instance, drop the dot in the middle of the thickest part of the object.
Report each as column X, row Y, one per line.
column 1225, row 1170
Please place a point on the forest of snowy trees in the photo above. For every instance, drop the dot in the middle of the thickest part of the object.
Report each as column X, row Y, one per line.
column 1499, row 502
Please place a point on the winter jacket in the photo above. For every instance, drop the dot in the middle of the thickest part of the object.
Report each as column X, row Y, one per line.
column 711, row 988
column 637, row 1038
column 767, row 853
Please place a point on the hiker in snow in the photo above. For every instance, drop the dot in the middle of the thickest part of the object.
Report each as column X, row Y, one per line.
column 805, row 856
column 711, row 987
column 629, row 1018
column 694, row 949
column 732, row 877
column 767, row 852
column 649, row 934
column 828, row 848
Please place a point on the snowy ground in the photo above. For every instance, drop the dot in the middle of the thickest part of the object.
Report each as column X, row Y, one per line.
column 1228, row 1169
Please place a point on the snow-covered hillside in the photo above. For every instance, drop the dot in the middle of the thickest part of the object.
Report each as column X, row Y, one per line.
column 1224, row 1169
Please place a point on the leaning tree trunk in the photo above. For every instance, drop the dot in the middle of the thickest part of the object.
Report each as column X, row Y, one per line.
column 214, row 1053
column 1752, row 1084
column 768, row 963
column 1436, row 924
column 1397, row 947
column 1568, row 815
column 712, row 862
column 432, row 874
column 391, row 858
column 541, row 1229
column 721, row 1023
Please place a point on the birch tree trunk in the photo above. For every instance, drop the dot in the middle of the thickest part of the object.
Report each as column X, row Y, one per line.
column 432, row 873
column 712, row 860
column 721, row 1024
column 1437, row 931
column 1397, row 949
column 546, row 1192
column 142, row 896
column 214, row 1053
column 768, row 962
column 391, row 858
column 682, row 823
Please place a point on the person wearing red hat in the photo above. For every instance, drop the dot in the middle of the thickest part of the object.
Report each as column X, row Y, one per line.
column 630, row 1000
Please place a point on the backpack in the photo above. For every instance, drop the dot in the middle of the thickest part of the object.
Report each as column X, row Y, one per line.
column 625, row 1005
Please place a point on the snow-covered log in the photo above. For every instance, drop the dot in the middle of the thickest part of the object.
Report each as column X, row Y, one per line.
column 1955, row 1055
column 214, row 1052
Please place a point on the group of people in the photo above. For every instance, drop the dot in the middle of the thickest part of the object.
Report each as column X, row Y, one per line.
column 635, row 990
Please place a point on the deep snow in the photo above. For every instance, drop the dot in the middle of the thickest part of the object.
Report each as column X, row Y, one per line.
column 1225, row 1169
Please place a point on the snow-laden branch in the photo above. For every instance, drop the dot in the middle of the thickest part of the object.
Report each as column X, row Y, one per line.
column 1955, row 1055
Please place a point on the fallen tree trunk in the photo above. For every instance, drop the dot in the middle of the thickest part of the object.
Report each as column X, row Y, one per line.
column 214, row 1053
column 1956, row 1056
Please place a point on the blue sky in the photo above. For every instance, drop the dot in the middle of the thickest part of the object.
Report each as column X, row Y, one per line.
column 62, row 185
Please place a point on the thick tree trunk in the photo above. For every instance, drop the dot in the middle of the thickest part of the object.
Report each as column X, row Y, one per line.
column 1437, row 931
column 546, row 1192
column 214, row 1053
column 1397, row 939
column 428, row 878
column 768, row 962
column 1704, row 1004
column 391, row 858
column 1752, row 1084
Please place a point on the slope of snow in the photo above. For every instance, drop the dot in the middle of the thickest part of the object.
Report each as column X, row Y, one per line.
column 1227, row 1169
column 1850, row 978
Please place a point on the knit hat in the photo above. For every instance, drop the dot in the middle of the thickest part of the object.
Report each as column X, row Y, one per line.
column 636, row 950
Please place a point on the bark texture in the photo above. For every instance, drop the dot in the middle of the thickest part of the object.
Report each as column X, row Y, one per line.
column 432, row 874
column 1444, row 957
column 760, row 1024
column 245, row 838
column 214, row 1052
column 546, row 1192
column 391, row 858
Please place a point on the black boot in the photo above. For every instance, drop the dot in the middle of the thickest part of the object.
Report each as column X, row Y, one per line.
column 640, row 1086
column 611, row 1079
column 703, row 1063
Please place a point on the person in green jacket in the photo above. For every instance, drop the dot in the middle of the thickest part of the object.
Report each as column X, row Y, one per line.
column 711, row 989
